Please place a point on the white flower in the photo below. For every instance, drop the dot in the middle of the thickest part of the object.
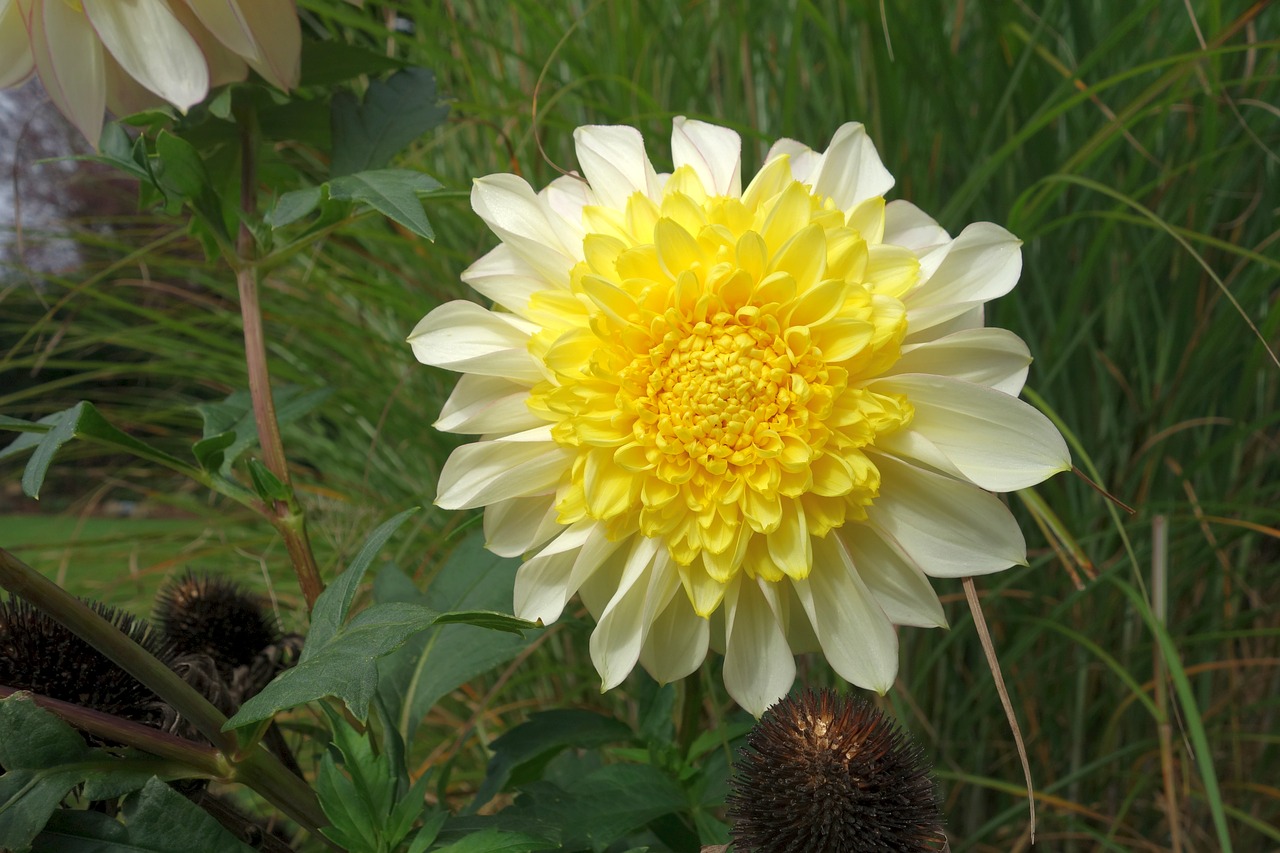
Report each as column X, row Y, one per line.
column 128, row 55
column 755, row 419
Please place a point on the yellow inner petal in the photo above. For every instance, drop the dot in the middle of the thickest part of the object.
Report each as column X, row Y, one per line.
column 710, row 363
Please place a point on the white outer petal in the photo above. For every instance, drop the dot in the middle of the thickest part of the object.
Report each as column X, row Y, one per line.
column 967, row 320
column 153, row 47
column 907, row 225
column 900, row 588
column 487, row 404
column 16, row 61
column 278, row 36
column 510, row 281
column 759, row 667
column 68, row 57
column 523, row 221
column 856, row 636
column 546, row 581
column 996, row 441
column 947, row 527
column 463, row 337
column 979, row 265
column 677, row 642
column 565, row 198
column 517, row 526
column 224, row 19
column 994, row 357
column 615, row 163
column 517, row 466
column 850, row 171
column 714, row 153
column 648, row 583
column 804, row 160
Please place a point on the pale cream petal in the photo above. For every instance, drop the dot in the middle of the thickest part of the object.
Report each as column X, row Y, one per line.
column 224, row 20
column 225, row 65
column 998, row 442
column 278, row 36
column 546, row 581
column 487, row 404
column 16, row 61
column 979, row 265
column 676, row 644
column 463, row 337
column 907, row 225
column 759, row 667
column 68, row 57
column 126, row 96
column 153, row 47
column 850, row 171
column 714, row 153
column 946, row 527
column 566, row 196
column 804, row 160
column 615, row 163
column 856, row 636
column 517, row 466
column 900, row 588
column 987, row 356
column 970, row 318
column 507, row 279
column 512, row 210
column 647, row 584
column 519, row 525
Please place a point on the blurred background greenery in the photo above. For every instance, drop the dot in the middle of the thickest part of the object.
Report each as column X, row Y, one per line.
column 1132, row 146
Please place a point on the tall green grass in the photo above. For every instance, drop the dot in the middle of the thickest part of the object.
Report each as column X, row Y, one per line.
column 1132, row 146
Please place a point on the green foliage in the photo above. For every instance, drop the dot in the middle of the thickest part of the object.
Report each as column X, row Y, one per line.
column 394, row 112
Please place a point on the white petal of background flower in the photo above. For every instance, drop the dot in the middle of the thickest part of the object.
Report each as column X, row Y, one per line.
column 68, row 56
column 804, row 160
column 547, row 581
column 514, row 527
column 615, row 164
column 153, row 47
column 16, row 62
column 644, row 589
column 274, row 25
column 982, row 263
column 464, row 337
column 907, row 225
column 524, row 222
column 225, row 20
column 677, row 642
column 855, row 633
column 900, row 588
column 758, row 663
column 850, row 170
column 517, row 466
column 487, row 404
column 507, row 279
column 714, row 153
column 987, row 356
column 950, row 529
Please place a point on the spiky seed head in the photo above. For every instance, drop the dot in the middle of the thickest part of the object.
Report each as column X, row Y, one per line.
column 39, row 654
column 211, row 615
column 822, row 773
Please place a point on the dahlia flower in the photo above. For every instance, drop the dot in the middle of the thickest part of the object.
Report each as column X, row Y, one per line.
column 128, row 55
column 754, row 419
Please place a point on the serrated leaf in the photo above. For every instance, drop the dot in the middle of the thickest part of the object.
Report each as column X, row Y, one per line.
column 498, row 841
column 345, row 665
column 292, row 206
column 440, row 660
column 181, row 174
column 529, row 746
column 160, row 819
column 394, row 112
column 80, row 421
column 392, row 192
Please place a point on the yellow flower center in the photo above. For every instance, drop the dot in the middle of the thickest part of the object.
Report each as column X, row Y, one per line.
column 710, row 362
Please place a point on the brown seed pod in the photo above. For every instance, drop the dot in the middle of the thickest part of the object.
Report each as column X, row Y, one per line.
column 39, row 654
column 210, row 615
column 822, row 773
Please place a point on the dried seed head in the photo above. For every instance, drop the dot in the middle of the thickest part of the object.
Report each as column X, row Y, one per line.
column 823, row 773
column 39, row 654
column 210, row 615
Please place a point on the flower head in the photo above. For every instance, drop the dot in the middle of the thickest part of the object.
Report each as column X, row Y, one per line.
column 824, row 773
column 210, row 615
column 97, row 54
column 750, row 417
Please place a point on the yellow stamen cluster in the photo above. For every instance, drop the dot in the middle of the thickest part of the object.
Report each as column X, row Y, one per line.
column 709, row 367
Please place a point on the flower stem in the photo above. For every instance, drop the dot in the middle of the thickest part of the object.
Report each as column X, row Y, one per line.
column 287, row 516
column 690, row 711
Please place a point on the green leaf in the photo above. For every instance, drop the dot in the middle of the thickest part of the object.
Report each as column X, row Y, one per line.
column 182, row 176
column 440, row 660
column 117, row 149
column 162, row 820
column 79, row 831
column 211, row 452
column 234, row 415
column 35, row 749
column 395, row 112
column 430, row 830
column 327, row 62
column 267, row 484
column 498, row 841
column 80, row 421
column 292, row 206
column 392, row 192
column 371, row 774
column 351, row 824
column 344, row 665
column 521, row 753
